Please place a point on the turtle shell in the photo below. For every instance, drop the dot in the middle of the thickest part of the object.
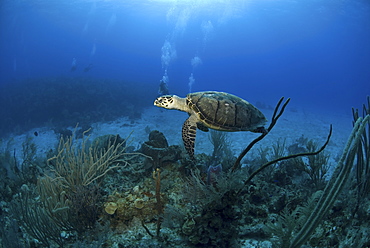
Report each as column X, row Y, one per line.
column 224, row 111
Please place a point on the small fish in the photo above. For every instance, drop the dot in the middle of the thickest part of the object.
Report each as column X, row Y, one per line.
column 36, row 134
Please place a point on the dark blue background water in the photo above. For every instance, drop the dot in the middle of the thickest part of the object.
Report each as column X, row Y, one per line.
column 316, row 52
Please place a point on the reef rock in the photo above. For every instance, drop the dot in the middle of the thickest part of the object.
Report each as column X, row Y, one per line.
column 157, row 148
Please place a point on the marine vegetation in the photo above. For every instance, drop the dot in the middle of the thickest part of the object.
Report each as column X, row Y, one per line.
column 69, row 193
column 105, row 194
column 362, row 177
column 316, row 212
column 222, row 153
column 315, row 166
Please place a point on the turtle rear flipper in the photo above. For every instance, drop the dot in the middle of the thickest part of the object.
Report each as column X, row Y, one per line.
column 189, row 132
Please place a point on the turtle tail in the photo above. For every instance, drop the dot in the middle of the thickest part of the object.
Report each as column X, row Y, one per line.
column 260, row 130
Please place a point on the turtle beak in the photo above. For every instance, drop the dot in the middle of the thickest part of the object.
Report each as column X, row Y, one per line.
column 160, row 102
column 157, row 102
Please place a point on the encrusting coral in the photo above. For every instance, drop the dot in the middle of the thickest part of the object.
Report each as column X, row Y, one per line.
column 139, row 202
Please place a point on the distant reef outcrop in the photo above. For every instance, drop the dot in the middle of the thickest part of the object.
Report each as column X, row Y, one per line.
column 65, row 101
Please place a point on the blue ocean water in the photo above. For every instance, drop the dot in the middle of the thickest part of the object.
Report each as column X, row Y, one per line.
column 316, row 52
column 88, row 61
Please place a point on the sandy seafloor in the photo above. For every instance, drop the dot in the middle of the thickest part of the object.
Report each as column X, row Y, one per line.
column 291, row 126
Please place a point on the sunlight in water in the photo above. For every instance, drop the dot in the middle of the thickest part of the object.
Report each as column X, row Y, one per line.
column 202, row 3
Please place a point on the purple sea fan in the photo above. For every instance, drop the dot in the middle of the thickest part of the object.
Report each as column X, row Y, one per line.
column 213, row 172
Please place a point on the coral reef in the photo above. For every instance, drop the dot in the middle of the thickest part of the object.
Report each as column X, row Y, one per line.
column 100, row 194
column 157, row 149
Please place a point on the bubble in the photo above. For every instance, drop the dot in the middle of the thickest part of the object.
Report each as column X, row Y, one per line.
column 168, row 54
column 191, row 81
column 93, row 50
column 207, row 29
column 179, row 16
column 85, row 29
column 165, row 78
column 195, row 62
column 111, row 23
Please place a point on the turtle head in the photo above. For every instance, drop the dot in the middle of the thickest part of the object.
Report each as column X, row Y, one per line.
column 167, row 101
column 171, row 102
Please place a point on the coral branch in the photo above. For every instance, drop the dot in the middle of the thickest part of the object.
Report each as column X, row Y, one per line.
column 274, row 119
column 335, row 185
column 288, row 157
column 157, row 178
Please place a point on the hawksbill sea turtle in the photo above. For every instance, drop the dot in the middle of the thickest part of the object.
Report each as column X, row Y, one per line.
column 216, row 110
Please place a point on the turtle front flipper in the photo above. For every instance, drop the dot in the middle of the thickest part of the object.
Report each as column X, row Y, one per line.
column 189, row 132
